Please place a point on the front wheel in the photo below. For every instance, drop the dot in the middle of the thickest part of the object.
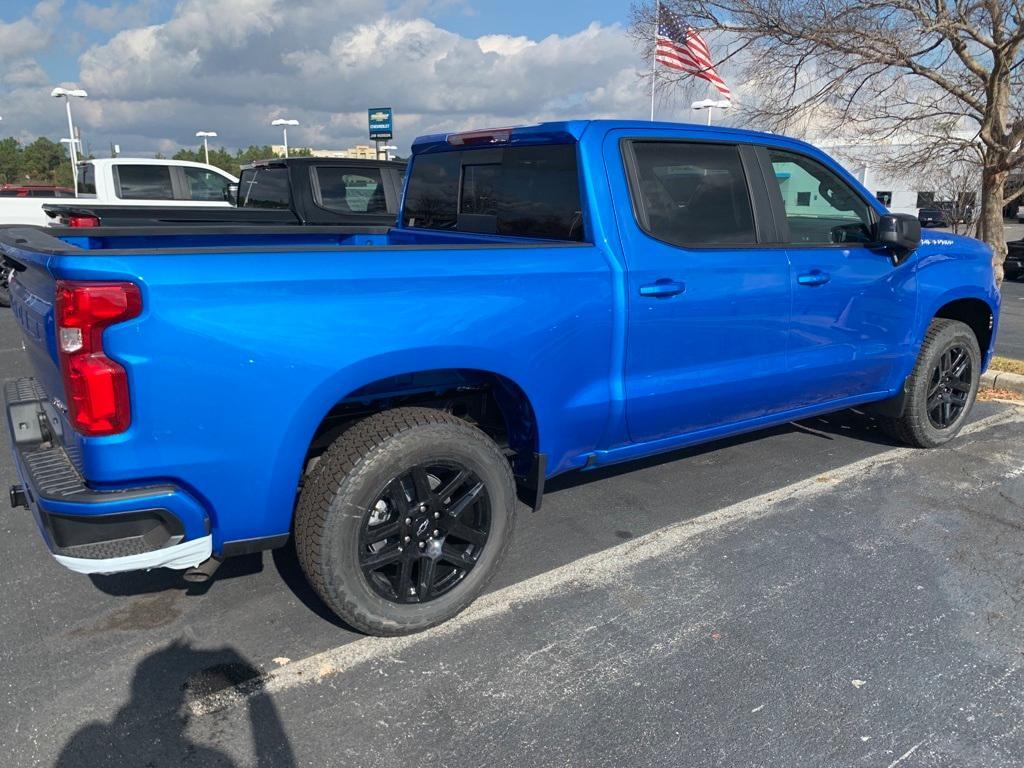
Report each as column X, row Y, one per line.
column 404, row 519
column 942, row 387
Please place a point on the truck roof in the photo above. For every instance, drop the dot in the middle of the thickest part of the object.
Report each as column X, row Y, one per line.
column 573, row 130
column 108, row 161
column 286, row 161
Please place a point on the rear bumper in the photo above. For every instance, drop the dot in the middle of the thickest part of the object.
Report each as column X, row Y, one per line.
column 97, row 531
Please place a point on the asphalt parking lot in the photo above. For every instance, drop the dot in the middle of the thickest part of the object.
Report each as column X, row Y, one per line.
column 811, row 595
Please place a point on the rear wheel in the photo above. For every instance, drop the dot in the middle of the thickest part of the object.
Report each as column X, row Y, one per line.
column 404, row 520
column 942, row 388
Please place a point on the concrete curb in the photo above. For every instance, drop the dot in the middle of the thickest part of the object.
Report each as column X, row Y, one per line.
column 1002, row 380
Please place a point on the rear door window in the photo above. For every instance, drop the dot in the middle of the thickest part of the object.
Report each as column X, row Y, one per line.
column 515, row 191
column 351, row 190
column 692, row 194
column 265, row 188
column 145, row 182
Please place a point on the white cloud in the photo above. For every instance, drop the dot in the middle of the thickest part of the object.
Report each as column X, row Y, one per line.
column 114, row 16
column 229, row 65
column 505, row 45
column 31, row 33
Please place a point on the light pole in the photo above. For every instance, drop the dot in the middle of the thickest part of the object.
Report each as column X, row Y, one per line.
column 284, row 127
column 67, row 94
column 710, row 104
column 388, row 149
column 206, row 136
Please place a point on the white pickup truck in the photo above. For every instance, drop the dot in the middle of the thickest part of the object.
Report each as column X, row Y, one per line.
column 131, row 181
column 125, row 181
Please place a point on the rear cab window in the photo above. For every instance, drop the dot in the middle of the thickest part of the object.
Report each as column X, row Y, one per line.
column 265, row 187
column 518, row 191
column 86, row 179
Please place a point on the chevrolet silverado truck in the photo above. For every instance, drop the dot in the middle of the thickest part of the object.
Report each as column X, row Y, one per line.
column 128, row 181
column 554, row 298
column 308, row 191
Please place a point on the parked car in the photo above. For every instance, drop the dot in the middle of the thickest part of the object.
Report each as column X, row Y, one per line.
column 124, row 181
column 1013, row 267
column 307, row 191
column 933, row 217
column 554, row 298
column 35, row 190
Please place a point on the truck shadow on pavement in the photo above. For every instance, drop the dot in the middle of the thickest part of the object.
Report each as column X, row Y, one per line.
column 150, row 729
column 163, row 579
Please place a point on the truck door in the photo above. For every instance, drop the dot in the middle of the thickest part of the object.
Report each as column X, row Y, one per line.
column 853, row 307
column 708, row 291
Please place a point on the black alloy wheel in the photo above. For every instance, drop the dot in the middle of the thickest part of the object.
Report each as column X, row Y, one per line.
column 950, row 387
column 425, row 532
column 404, row 519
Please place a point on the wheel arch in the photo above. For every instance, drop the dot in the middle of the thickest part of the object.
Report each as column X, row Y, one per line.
column 974, row 312
column 489, row 399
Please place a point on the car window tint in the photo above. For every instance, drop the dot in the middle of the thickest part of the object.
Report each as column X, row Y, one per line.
column 517, row 191
column 821, row 208
column 351, row 190
column 432, row 197
column 206, row 185
column 86, row 179
column 265, row 188
column 692, row 194
column 145, row 182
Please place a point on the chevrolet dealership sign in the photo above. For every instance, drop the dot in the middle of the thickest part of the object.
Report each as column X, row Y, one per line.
column 381, row 119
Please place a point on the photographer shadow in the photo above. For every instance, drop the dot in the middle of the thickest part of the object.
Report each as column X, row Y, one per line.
column 150, row 729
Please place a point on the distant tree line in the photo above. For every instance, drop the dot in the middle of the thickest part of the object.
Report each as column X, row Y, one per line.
column 41, row 162
column 46, row 162
column 232, row 163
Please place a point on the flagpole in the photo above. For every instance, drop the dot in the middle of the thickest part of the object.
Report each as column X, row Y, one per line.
column 654, row 55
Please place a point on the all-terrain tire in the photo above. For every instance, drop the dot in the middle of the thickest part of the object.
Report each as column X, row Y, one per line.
column 913, row 426
column 341, row 489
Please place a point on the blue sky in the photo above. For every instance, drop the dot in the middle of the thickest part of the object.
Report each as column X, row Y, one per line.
column 158, row 70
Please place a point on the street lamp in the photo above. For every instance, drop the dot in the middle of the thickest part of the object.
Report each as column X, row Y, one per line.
column 388, row 149
column 284, row 127
column 710, row 104
column 67, row 94
column 206, row 136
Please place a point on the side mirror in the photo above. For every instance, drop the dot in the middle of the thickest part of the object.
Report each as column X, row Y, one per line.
column 900, row 231
column 231, row 193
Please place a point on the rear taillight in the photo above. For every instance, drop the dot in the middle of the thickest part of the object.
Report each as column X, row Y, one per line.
column 83, row 221
column 96, row 387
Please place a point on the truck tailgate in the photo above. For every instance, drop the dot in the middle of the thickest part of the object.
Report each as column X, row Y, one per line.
column 32, row 296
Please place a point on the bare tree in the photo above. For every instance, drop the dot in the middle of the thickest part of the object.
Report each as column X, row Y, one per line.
column 948, row 74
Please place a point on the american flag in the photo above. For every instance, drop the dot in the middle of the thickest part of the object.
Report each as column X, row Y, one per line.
column 680, row 46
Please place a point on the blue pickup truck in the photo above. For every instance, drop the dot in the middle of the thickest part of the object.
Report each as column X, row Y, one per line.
column 553, row 298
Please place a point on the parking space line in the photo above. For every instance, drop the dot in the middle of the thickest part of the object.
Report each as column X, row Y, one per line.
column 600, row 568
